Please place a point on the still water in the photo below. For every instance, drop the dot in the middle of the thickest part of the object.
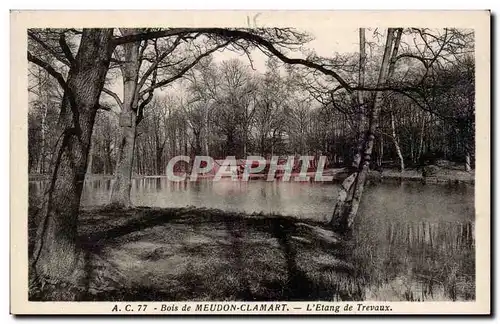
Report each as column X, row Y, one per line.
column 413, row 241
column 315, row 200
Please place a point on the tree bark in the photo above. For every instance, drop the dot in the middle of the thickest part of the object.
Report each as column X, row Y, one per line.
column 55, row 259
column 128, row 125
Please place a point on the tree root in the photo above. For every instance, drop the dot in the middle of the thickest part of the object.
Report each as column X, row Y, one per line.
column 92, row 276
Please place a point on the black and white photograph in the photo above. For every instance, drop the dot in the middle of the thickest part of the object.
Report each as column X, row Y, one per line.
column 255, row 168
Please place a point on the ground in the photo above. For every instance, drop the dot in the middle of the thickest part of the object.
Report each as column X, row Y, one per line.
column 199, row 254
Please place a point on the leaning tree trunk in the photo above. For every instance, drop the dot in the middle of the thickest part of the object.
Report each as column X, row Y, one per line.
column 55, row 261
column 128, row 126
column 346, row 211
column 342, row 204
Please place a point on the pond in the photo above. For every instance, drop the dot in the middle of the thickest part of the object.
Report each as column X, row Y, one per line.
column 387, row 202
column 413, row 241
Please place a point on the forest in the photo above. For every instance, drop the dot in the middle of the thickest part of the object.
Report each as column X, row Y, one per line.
column 229, row 109
column 122, row 102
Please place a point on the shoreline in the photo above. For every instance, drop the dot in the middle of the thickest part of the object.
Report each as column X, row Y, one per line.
column 146, row 253
column 443, row 176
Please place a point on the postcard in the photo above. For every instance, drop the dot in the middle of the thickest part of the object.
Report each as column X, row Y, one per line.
column 250, row 162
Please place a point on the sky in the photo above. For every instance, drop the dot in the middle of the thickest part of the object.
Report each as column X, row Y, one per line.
column 326, row 43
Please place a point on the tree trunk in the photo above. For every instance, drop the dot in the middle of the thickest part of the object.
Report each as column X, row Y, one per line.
column 381, row 152
column 185, row 136
column 173, row 143
column 396, row 144
column 230, row 144
column 124, row 160
column 422, row 134
column 138, row 161
column 206, row 129
column 159, row 166
column 90, row 158
column 41, row 169
column 467, row 162
column 44, row 98
column 197, row 142
column 207, row 151
column 244, row 145
column 345, row 213
column 468, row 167
column 412, row 149
column 109, row 160
column 55, row 259
column 361, row 109
column 262, row 145
column 128, row 125
column 341, row 205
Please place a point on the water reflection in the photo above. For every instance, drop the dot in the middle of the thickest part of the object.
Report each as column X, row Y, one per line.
column 387, row 202
column 416, row 242
column 416, row 260
column 412, row 241
column 313, row 200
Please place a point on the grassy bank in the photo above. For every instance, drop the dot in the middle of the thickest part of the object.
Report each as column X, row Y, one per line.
column 200, row 254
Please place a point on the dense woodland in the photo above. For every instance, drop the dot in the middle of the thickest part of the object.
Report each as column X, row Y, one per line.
column 227, row 108
column 405, row 99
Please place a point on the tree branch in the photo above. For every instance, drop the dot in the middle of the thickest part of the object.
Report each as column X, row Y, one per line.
column 258, row 40
column 48, row 48
column 145, row 102
column 183, row 70
column 114, row 95
column 65, row 48
column 150, row 35
column 142, row 47
column 421, row 59
column 47, row 67
column 233, row 34
column 157, row 61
